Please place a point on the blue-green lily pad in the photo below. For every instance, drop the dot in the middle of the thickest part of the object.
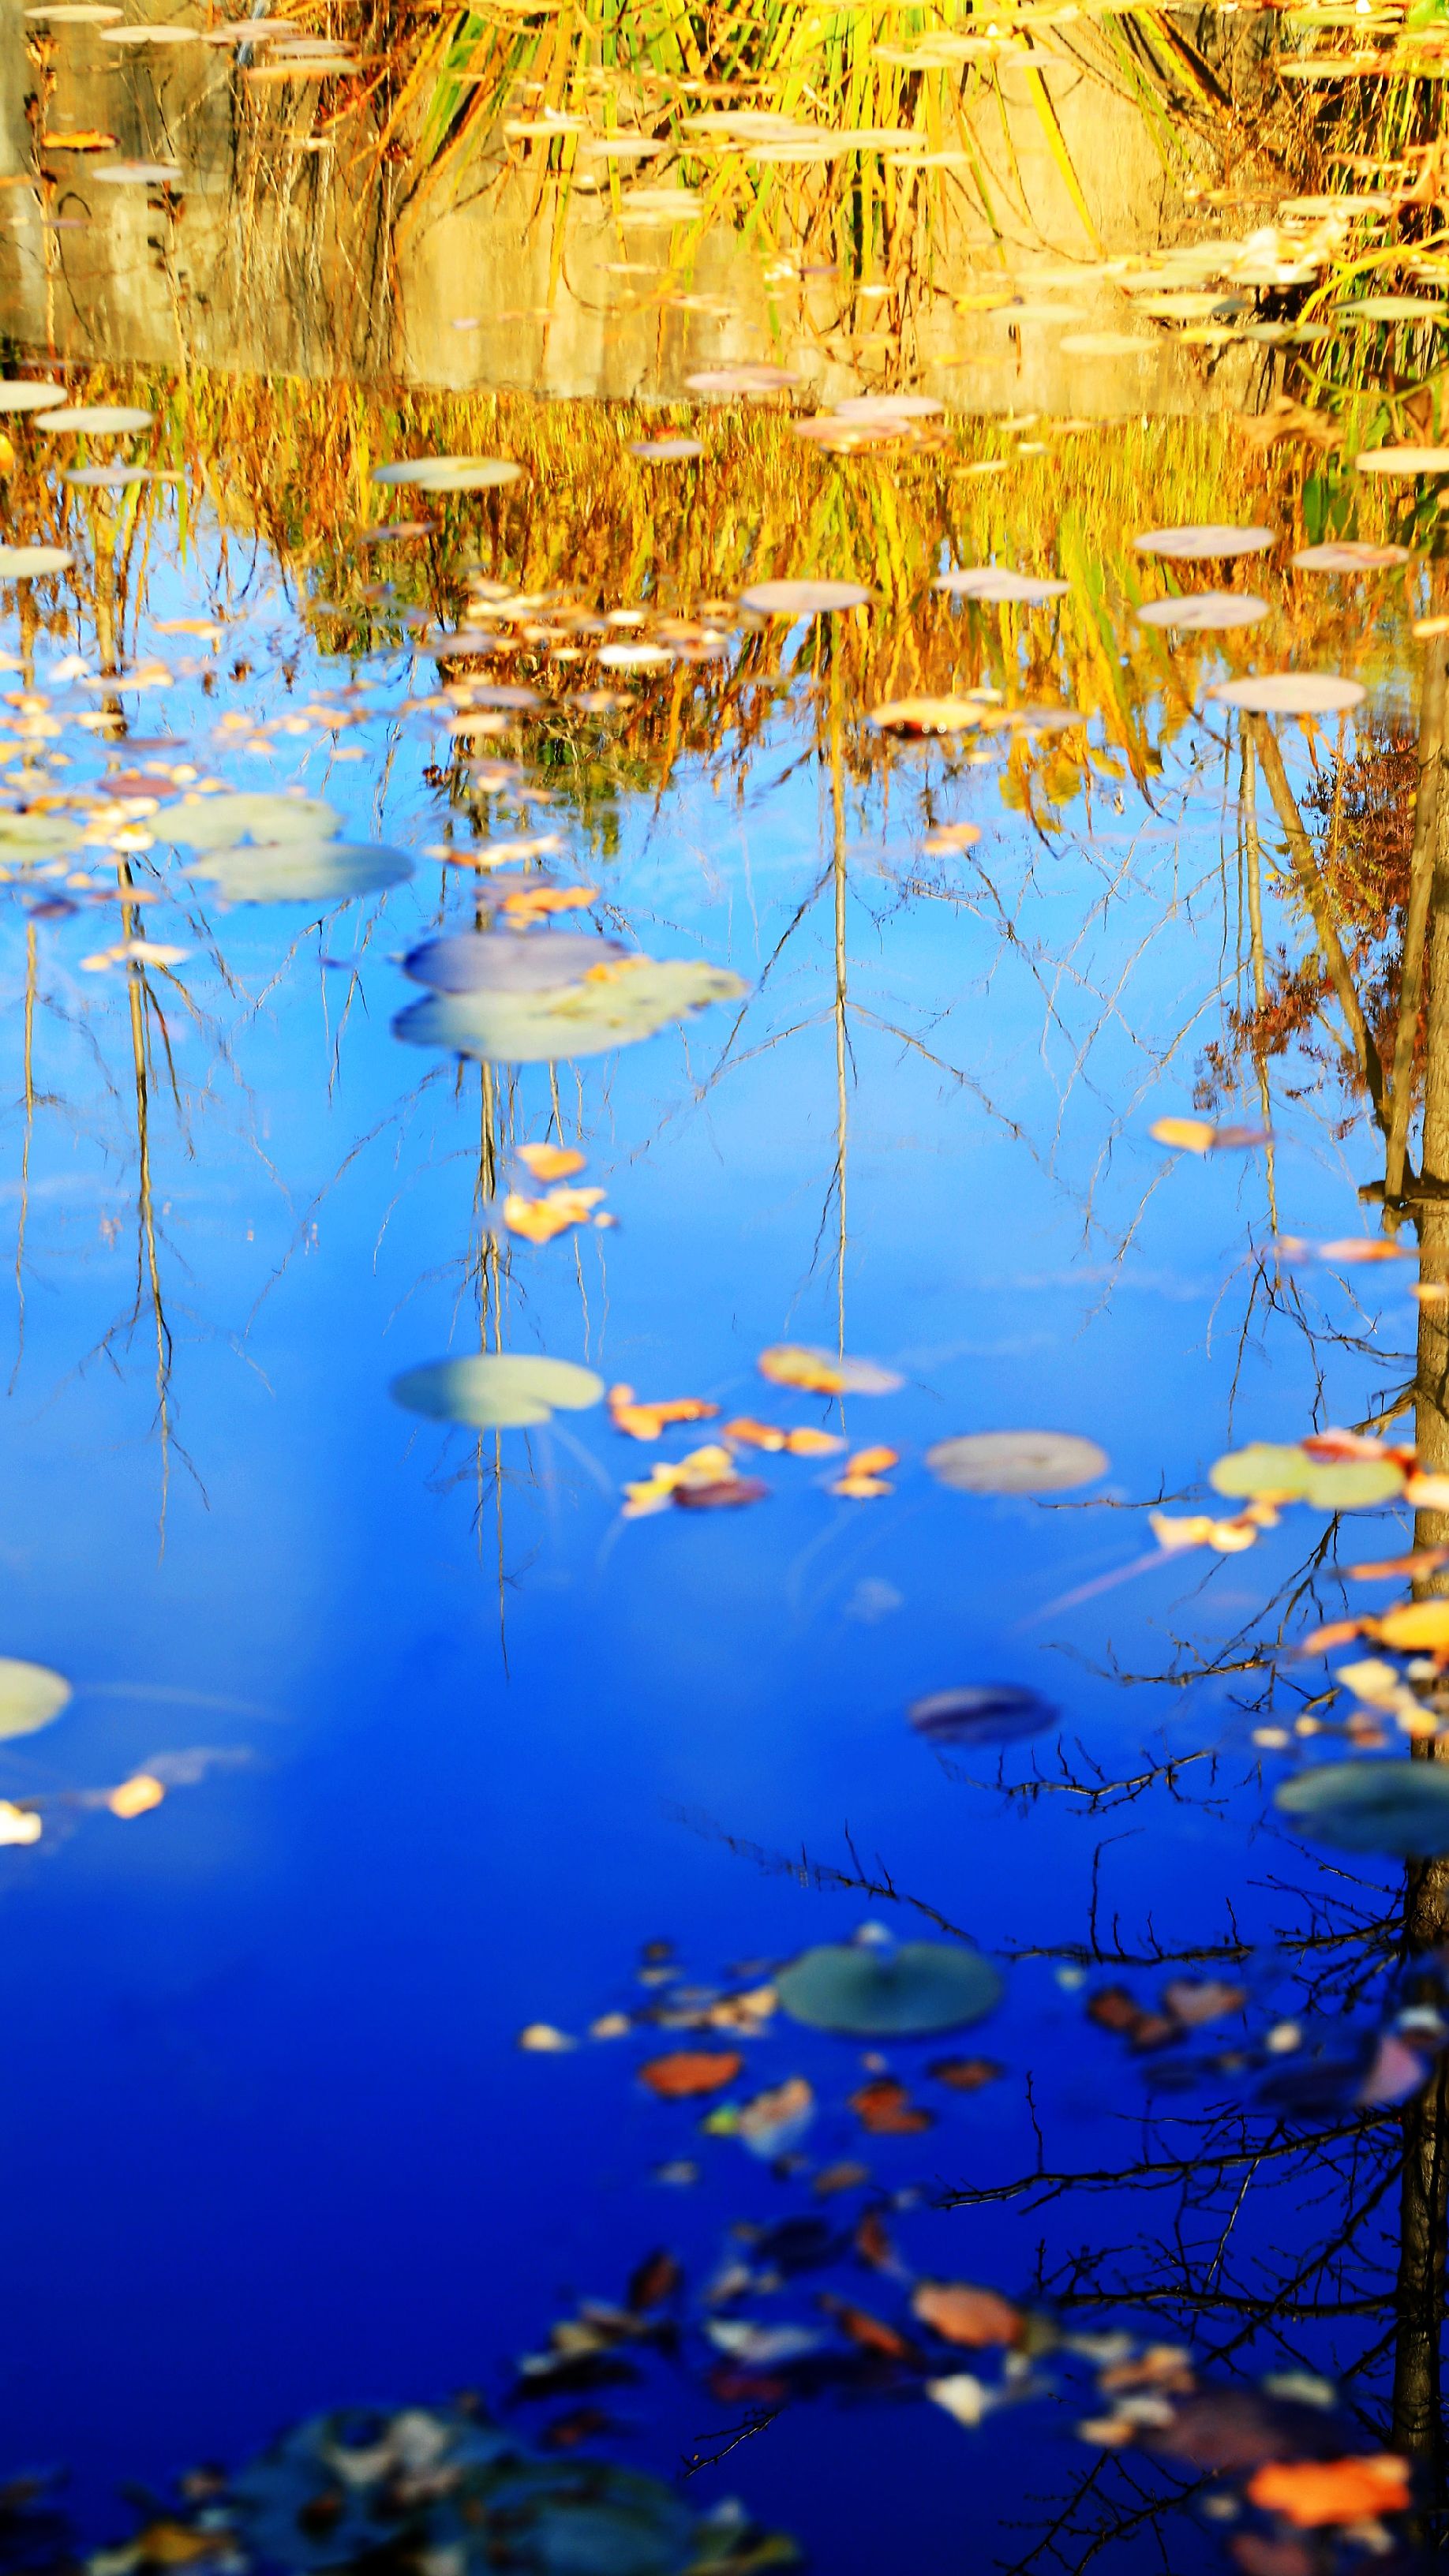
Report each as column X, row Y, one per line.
column 509, row 961
column 303, row 871
column 1400, row 1807
column 216, row 822
column 497, row 1390
column 869, row 1993
column 572, row 1020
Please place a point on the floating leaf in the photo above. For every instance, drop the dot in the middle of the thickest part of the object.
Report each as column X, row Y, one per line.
column 1016, row 1462
column 821, row 1373
column 216, row 822
column 1205, row 612
column 1200, row 1136
column 539, row 1220
column 928, row 715
column 507, row 961
column 321, row 872
column 30, row 1696
column 21, row 393
column 961, row 2314
column 638, row 997
column 1314, row 2493
column 1195, row 2001
column 862, row 1477
column 137, row 1796
column 981, row 1713
column 1418, row 1627
column 100, row 420
column 1291, row 693
column 19, row 1824
column 885, row 2110
column 1349, row 554
column 646, row 1421
column 1403, row 460
column 777, row 2120
column 804, row 598
column 1399, row 1806
column 993, row 584
column 450, row 473
column 1202, row 545
column 1331, row 1485
column 923, row 1986
column 963, row 2398
column 550, row 1162
column 496, row 1390
column 666, row 451
column 719, row 1493
column 688, row 2072
column 24, row 563
column 741, row 380
column 965, row 2074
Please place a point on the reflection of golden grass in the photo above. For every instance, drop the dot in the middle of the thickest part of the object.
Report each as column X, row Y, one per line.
column 291, row 460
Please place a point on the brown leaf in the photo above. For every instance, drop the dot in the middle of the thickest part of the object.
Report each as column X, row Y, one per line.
column 870, row 2332
column 872, row 2241
column 1259, row 2557
column 653, row 2281
column 841, row 2177
column 580, row 2424
column 722, row 1495
column 1114, row 2008
column 965, row 2074
column 961, row 2314
column 687, row 2072
column 885, row 2109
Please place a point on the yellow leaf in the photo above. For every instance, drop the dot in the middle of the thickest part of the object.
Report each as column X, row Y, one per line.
column 1191, row 1135
column 535, row 903
column 136, row 1797
column 550, row 1162
column 89, row 139
column 539, row 1220
column 646, row 1421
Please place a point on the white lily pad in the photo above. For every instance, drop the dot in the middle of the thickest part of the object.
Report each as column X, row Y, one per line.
column 217, row 822
column 1349, row 554
column 1203, row 545
column 994, row 584
column 804, row 598
column 25, row 563
column 1398, row 1807
column 1205, row 612
column 30, row 1696
column 645, row 995
column 1403, row 460
column 868, row 1993
column 497, row 1390
column 1291, row 693
column 450, row 473
column 100, row 420
column 666, row 451
column 1016, row 1462
column 324, row 872
column 20, row 393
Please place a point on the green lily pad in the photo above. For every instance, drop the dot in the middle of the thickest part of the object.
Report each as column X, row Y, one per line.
column 1330, row 1484
column 1399, row 1807
column 217, row 822
column 24, row 563
column 30, row 1696
column 571, row 1019
column 868, row 1993
column 38, row 836
column 303, row 871
column 99, row 420
column 497, row 1390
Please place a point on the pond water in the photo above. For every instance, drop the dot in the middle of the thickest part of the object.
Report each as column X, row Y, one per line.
column 398, row 1911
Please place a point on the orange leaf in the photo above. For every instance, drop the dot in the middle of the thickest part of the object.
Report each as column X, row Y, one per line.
column 136, row 1797
column 550, row 1162
column 91, row 139
column 885, row 2109
column 535, row 903
column 872, row 2241
column 769, row 1435
column 961, row 2314
column 871, row 2333
column 646, row 1421
column 1312, row 2492
column 539, row 1220
column 860, row 1480
column 788, row 1364
column 687, row 2072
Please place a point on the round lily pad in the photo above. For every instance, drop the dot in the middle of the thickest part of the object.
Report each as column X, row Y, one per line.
column 996, row 585
column 803, row 598
column 102, row 420
column 1205, row 612
column 571, row 1020
column 920, row 1988
column 1399, row 1807
column 25, row 563
column 509, row 961
column 981, row 1713
column 1016, row 1462
column 30, row 1696
column 217, row 822
column 450, row 473
column 21, row 393
column 303, row 871
column 497, row 1390
column 1291, row 693
column 1332, row 1484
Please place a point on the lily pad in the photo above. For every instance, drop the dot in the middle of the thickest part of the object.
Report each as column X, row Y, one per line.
column 1291, row 693
column 981, row 1713
column 920, row 1988
column 1202, row 545
column 1331, row 1485
column 509, row 961
column 497, row 1390
column 1398, row 1807
column 218, row 822
column 574, row 1019
column 20, row 393
column 1016, row 1462
column 1204, row 612
column 804, row 598
column 26, row 563
column 450, row 473
column 38, row 836
column 1349, row 554
column 994, row 584
column 303, row 871
column 101, row 420
column 30, row 1696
